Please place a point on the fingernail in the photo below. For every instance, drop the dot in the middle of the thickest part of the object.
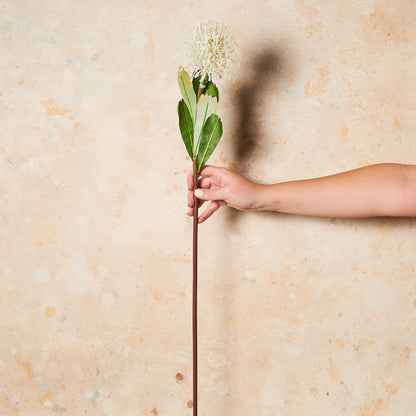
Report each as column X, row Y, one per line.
column 198, row 193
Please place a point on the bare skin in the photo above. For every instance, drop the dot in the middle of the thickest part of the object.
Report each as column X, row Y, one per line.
column 385, row 189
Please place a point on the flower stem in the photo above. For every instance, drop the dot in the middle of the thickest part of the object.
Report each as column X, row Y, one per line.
column 195, row 281
column 194, row 293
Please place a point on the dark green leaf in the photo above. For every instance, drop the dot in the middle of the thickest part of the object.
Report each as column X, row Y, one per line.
column 186, row 126
column 195, row 83
column 212, row 90
column 211, row 135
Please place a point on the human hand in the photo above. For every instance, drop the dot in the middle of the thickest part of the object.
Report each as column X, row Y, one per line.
column 221, row 187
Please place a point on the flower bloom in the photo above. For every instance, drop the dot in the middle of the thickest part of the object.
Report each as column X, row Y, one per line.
column 210, row 49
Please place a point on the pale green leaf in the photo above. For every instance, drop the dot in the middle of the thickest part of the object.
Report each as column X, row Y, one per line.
column 206, row 106
column 187, row 91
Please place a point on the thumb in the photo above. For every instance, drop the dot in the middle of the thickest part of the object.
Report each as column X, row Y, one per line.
column 208, row 194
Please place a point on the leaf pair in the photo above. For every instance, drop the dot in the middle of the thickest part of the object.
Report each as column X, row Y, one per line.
column 200, row 127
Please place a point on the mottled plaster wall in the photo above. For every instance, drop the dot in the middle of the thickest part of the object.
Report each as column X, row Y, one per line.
column 298, row 316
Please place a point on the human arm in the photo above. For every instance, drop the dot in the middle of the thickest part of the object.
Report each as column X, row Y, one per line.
column 377, row 190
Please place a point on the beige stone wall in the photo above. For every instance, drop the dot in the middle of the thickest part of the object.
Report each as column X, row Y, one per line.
column 298, row 316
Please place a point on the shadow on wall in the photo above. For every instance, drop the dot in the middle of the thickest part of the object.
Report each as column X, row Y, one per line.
column 266, row 70
column 264, row 73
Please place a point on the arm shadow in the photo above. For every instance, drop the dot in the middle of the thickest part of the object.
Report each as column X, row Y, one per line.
column 267, row 70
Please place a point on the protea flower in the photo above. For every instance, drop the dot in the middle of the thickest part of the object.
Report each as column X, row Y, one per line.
column 210, row 50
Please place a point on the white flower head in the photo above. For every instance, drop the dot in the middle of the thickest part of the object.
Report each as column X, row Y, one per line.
column 210, row 50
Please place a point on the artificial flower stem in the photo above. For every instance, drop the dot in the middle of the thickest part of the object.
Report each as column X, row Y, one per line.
column 194, row 293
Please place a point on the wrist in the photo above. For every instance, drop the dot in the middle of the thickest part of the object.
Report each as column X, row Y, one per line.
column 267, row 198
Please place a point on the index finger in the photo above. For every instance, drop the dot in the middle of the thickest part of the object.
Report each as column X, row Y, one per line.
column 205, row 172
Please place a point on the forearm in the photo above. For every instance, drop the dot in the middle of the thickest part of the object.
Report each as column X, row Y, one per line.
column 377, row 190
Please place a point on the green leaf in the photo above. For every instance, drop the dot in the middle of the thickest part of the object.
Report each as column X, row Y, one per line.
column 186, row 126
column 211, row 135
column 187, row 91
column 212, row 90
column 206, row 106
column 195, row 83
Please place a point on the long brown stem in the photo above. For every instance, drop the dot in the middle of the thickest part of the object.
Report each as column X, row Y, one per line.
column 195, row 285
column 194, row 294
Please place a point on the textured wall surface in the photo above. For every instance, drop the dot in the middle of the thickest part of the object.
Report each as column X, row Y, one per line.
column 298, row 316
